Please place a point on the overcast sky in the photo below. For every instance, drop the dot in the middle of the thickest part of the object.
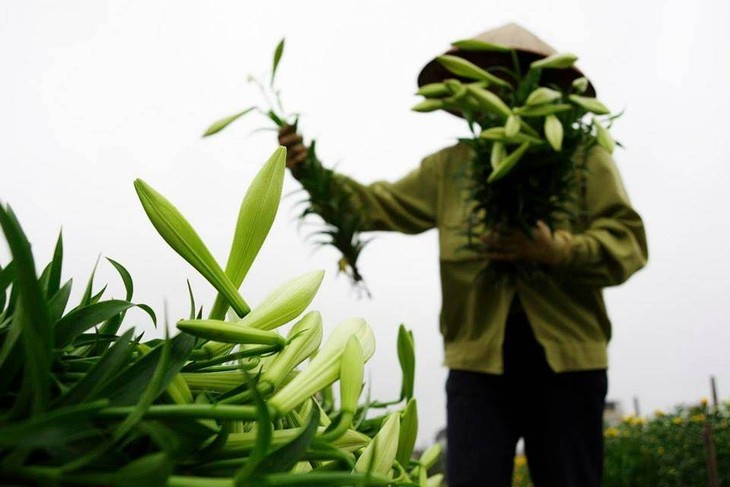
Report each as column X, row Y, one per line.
column 94, row 94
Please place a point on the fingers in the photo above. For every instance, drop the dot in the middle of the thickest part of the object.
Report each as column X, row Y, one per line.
column 296, row 156
column 296, row 151
column 287, row 129
column 290, row 139
column 542, row 231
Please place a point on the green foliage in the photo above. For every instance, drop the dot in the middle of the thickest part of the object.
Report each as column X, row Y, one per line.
column 668, row 449
column 82, row 403
column 528, row 141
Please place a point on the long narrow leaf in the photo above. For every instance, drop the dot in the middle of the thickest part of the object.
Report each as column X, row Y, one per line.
column 86, row 298
column 36, row 333
column 284, row 458
column 126, row 278
column 125, row 388
column 81, row 319
column 148, row 471
column 150, row 392
column 49, row 428
column 97, row 297
column 264, row 434
column 180, row 438
column 278, row 52
column 192, row 301
column 219, row 125
column 58, row 302
column 7, row 276
column 108, row 365
column 54, row 278
column 136, row 413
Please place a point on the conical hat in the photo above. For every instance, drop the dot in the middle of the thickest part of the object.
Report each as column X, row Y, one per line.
column 528, row 46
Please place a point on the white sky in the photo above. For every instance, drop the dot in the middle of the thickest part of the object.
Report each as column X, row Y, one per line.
column 96, row 93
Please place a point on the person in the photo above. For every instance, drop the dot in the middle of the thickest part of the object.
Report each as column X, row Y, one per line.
column 527, row 357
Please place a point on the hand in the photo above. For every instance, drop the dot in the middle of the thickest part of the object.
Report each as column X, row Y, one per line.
column 544, row 247
column 296, row 152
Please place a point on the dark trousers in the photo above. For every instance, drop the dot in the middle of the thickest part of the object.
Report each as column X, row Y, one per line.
column 559, row 416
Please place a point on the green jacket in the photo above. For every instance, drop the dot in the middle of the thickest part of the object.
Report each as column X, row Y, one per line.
column 564, row 305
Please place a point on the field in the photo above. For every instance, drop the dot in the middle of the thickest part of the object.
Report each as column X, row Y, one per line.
column 667, row 449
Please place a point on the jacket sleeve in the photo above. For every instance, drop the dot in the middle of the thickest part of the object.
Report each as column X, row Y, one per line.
column 407, row 205
column 612, row 246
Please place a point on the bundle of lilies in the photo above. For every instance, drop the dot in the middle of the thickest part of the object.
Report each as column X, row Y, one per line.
column 528, row 140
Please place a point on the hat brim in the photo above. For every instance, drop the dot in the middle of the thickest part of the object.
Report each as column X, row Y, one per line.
column 434, row 72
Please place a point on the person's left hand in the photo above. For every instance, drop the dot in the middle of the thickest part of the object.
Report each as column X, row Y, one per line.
column 544, row 247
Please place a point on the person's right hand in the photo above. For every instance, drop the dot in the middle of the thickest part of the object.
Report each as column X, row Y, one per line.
column 296, row 152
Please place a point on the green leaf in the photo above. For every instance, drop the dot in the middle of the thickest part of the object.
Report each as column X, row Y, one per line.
column 36, row 329
column 125, row 388
column 14, row 331
column 150, row 312
column 225, row 122
column 192, row 300
column 94, row 338
column 264, row 433
column 277, row 57
column 126, row 278
column 283, row 459
column 50, row 428
column 7, row 276
column 153, row 388
column 81, row 319
column 43, row 280
column 114, row 359
column 136, row 413
column 182, row 437
column 86, row 298
column 97, row 297
column 58, row 302
column 211, row 449
column 276, row 118
column 54, row 278
column 148, row 471
column 10, row 367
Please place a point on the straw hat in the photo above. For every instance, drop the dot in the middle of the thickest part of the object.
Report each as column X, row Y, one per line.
column 528, row 46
